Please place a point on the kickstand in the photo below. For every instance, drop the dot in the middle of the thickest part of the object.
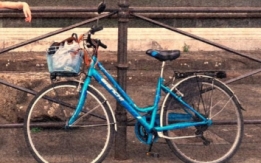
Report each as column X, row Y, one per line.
column 206, row 142
column 150, row 153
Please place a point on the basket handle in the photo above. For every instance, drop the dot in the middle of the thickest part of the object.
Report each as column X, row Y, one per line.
column 74, row 37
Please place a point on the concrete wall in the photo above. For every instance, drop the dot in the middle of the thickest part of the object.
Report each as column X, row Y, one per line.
column 141, row 39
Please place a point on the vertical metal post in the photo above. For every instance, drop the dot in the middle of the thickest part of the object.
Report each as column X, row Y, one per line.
column 122, row 66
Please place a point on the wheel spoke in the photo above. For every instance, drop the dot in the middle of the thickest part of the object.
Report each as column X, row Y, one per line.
column 213, row 100
column 50, row 139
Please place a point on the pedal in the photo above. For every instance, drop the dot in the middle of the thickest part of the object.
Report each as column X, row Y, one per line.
column 153, row 154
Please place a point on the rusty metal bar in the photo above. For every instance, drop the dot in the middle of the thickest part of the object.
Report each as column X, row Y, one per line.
column 149, row 15
column 20, row 125
column 11, row 125
column 200, row 15
column 150, row 12
column 32, row 92
column 85, row 15
column 55, row 32
column 208, row 42
column 197, row 38
column 64, row 9
column 145, row 9
column 243, row 76
column 18, row 87
column 246, row 122
column 59, row 124
column 196, row 9
column 122, row 66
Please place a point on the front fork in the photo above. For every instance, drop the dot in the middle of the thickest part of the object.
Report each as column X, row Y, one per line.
column 83, row 95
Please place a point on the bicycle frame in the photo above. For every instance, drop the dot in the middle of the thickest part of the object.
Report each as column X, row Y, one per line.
column 122, row 97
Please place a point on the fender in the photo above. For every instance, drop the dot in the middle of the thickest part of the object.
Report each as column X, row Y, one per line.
column 107, row 102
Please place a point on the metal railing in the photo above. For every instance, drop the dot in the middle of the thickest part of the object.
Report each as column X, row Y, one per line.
column 124, row 14
column 150, row 12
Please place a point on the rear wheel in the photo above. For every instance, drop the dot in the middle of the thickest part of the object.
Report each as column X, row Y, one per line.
column 88, row 140
column 214, row 100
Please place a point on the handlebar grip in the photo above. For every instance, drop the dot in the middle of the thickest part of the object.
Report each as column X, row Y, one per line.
column 96, row 29
column 103, row 45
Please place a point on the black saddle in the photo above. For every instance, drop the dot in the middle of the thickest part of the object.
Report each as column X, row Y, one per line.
column 164, row 55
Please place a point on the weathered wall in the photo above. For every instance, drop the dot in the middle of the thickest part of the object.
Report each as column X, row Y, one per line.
column 141, row 39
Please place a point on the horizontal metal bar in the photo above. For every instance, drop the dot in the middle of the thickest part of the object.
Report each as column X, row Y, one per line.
column 20, row 125
column 149, row 15
column 59, row 124
column 145, row 9
column 11, row 125
column 246, row 122
column 85, row 15
column 196, row 9
column 200, row 15
column 45, row 9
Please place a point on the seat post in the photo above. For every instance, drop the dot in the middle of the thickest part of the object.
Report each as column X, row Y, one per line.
column 162, row 69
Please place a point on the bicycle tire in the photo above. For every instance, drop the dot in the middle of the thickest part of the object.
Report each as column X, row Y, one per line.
column 89, row 140
column 214, row 100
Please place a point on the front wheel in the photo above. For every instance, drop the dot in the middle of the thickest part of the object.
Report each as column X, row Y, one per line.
column 51, row 140
column 214, row 100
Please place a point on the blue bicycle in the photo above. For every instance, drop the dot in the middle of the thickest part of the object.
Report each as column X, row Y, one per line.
column 71, row 121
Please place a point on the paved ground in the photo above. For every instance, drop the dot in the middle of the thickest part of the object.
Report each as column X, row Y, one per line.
column 13, row 148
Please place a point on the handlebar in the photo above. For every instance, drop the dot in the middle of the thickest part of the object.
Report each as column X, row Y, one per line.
column 95, row 43
column 95, row 29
